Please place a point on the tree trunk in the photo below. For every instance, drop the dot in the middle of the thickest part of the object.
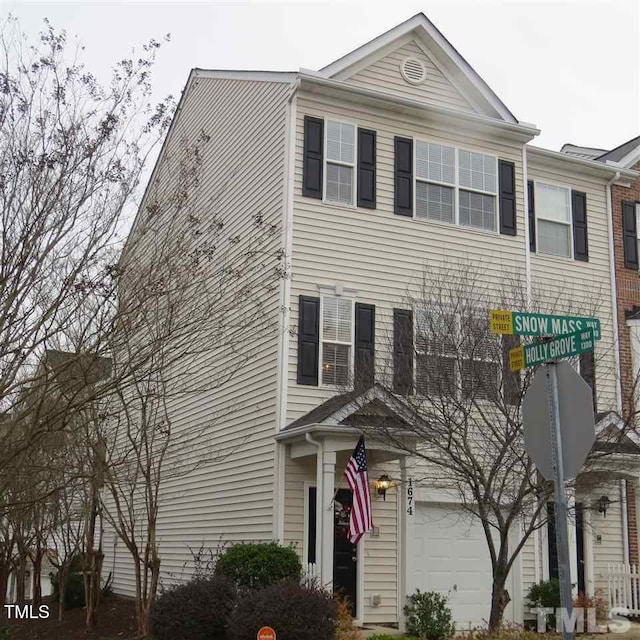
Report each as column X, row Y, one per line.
column 63, row 576
column 5, row 572
column 21, row 576
column 36, row 596
column 500, row 597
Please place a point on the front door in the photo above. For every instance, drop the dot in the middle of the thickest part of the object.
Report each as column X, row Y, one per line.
column 553, row 552
column 345, row 554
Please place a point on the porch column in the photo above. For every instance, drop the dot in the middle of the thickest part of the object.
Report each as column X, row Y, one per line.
column 572, row 533
column 406, row 537
column 587, row 532
column 325, row 520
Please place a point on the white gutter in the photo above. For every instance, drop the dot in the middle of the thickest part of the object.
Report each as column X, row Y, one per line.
column 614, row 294
column 527, row 131
column 625, row 525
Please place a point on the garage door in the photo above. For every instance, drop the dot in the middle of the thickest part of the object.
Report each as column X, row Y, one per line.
column 451, row 556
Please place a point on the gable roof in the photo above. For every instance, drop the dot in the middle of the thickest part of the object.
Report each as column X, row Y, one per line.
column 427, row 33
column 622, row 153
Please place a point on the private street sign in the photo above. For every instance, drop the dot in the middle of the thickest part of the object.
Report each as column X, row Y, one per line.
column 561, row 347
column 539, row 324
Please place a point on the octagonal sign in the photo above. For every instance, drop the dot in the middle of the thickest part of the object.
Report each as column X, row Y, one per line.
column 577, row 424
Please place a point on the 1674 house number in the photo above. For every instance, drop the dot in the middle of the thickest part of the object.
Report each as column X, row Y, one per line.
column 410, row 496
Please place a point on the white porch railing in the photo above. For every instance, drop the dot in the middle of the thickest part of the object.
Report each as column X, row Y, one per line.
column 623, row 585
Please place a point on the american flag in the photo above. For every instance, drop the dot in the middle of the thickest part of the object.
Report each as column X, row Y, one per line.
column 356, row 473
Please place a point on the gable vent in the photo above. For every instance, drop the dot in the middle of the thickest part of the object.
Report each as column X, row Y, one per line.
column 413, row 71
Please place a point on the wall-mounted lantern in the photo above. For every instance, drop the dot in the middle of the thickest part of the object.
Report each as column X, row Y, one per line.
column 603, row 505
column 383, row 483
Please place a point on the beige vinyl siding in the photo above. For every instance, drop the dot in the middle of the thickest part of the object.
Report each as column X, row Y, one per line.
column 528, row 559
column 580, row 288
column 384, row 75
column 230, row 498
column 379, row 254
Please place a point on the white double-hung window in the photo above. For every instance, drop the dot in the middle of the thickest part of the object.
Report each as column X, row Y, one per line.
column 337, row 340
column 340, row 183
column 553, row 219
column 455, row 186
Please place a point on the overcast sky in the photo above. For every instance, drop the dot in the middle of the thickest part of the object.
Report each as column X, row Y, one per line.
column 570, row 67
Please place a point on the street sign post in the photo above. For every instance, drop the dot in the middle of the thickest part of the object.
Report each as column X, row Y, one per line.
column 557, row 436
column 539, row 324
column 537, row 353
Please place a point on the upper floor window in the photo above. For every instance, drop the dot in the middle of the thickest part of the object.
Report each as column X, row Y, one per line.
column 455, row 186
column 340, row 163
column 631, row 234
column 553, row 213
column 336, row 340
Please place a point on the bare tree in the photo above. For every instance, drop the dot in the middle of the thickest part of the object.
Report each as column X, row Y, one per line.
column 71, row 155
column 454, row 375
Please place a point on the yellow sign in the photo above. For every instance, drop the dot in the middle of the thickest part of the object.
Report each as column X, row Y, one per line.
column 516, row 359
column 501, row 321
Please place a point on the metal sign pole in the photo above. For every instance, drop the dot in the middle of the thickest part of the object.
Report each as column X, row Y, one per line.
column 562, row 537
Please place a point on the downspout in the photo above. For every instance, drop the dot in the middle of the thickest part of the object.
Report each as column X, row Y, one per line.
column 614, row 295
column 320, row 512
column 285, row 299
column 625, row 523
column 527, row 252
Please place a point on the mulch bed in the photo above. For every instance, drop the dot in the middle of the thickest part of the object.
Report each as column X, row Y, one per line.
column 116, row 621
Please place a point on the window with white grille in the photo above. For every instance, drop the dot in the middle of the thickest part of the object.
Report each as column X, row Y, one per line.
column 340, row 162
column 553, row 219
column 337, row 340
column 456, row 356
column 456, row 186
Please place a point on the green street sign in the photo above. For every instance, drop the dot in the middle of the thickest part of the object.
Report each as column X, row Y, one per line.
column 537, row 353
column 539, row 324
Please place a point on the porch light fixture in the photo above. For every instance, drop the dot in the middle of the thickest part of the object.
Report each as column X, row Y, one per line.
column 382, row 484
column 603, row 505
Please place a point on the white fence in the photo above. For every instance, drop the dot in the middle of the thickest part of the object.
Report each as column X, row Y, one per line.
column 311, row 571
column 623, row 585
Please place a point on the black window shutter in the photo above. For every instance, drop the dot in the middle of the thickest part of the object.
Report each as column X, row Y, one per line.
column 366, row 168
column 630, row 235
column 588, row 373
column 511, row 381
column 580, row 236
column 308, row 339
column 403, row 177
column 532, row 216
column 365, row 346
column 312, row 162
column 402, row 351
column 507, row 178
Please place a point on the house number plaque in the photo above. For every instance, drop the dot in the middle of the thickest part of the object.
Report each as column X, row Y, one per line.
column 410, row 496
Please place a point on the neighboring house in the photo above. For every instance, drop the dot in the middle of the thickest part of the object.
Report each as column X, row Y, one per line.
column 625, row 204
column 395, row 155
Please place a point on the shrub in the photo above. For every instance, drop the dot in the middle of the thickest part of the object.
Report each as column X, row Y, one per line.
column 428, row 616
column 197, row 610
column 386, row 636
column 597, row 602
column 545, row 594
column 295, row 611
column 74, row 592
column 505, row 632
column 254, row 566
column 345, row 629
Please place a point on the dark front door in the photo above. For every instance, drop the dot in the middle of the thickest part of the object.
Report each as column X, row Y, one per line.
column 345, row 554
column 553, row 553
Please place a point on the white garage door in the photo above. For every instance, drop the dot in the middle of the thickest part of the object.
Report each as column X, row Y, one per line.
column 451, row 556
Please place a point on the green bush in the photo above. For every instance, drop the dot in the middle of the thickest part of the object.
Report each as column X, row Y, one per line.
column 74, row 593
column 386, row 636
column 428, row 616
column 197, row 610
column 545, row 594
column 295, row 611
column 254, row 566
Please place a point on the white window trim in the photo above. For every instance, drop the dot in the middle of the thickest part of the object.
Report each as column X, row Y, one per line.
column 455, row 186
column 568, row 224
column 350, row 344
column 354, row 166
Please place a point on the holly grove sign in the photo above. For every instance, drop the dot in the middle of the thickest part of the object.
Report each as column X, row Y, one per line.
column 574, row 335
